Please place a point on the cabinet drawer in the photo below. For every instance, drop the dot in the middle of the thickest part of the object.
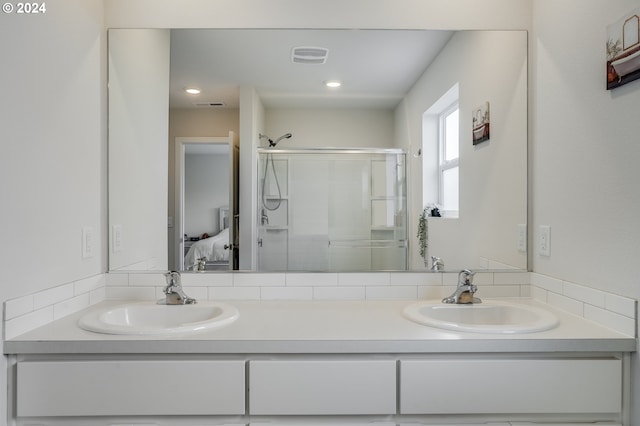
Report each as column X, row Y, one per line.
column 100, row 388
column 322, row 387
column 510, row 386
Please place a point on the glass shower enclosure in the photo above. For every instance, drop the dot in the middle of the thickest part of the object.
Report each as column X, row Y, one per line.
column 332, row 210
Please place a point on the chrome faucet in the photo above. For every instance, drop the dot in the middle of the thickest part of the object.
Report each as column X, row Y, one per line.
column 465, row 289
column 174, row 293
column 436, row 264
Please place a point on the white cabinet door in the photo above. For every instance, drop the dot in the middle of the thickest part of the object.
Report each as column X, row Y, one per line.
column 102, row 388
column 510, row 386
column 309, row 387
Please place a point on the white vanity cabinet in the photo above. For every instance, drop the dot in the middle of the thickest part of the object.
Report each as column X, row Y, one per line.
column 130, row 387
column 322, row 387
column 491, row 386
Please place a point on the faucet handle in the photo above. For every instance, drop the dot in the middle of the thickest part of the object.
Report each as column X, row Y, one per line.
column 465, row 277
column 173, row 278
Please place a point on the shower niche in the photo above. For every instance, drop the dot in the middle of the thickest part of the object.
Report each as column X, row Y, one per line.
column 332, row 210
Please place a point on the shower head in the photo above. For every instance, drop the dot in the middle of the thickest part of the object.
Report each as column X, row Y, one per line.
column 273, row 143
column 285, row 136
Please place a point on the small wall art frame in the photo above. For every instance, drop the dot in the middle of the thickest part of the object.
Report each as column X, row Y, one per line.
column 623, row 50
column 481, row 124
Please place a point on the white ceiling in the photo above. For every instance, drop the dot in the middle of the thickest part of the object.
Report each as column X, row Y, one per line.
column 376, row 67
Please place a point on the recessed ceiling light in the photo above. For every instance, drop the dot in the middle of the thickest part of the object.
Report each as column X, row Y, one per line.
column 192, row 90
column 333, row 83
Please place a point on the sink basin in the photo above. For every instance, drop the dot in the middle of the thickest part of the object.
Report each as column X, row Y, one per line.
column 486, row 317
column 149, row 318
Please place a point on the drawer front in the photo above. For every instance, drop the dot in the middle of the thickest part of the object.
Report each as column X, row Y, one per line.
column 510, row 386
column 322, row 387
column 101, row 388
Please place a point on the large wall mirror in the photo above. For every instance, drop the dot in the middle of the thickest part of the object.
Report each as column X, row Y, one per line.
column 207, row 169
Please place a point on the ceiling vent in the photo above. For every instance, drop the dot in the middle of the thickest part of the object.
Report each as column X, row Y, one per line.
column 309, row 55
column 209, row 104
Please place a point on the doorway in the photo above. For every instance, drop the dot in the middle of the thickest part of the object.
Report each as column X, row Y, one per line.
column 206, row 225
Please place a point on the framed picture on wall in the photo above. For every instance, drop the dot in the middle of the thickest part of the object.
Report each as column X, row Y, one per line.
column 623, row 50
column 481, row 125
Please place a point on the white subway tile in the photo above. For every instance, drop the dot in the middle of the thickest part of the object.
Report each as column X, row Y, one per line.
column 154, row 279
column 538, row 293
column 70, row 306
column 620, row 305
column 234, row 293
column 364, row 279
column 450, row 278
column 426, row 292
column 311, row 279
column 562, row 302
column 131, row 293
column 16, row 307
column 609, row 319
column 510, row 278
column 52, row 296
column 525, row 290
column 217, row 279
column 498, row 291
column 259, row 279
column 339, row 293
column 98, row 295
column 86, row 285
column 117, row 279
column 392, row 293
column 584, row 294
column 286, row 293
column 416, row 278
column 28, row 322
column 547, row 283
column 484, row 278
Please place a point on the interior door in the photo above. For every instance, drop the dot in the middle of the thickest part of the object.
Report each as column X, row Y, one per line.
column 234, row 201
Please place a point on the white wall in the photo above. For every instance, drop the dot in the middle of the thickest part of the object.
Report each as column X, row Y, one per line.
column 53, row 132
column 323, row 128
column 493, row 174
column 138, row 131
column 52, row 161
column 584, row 152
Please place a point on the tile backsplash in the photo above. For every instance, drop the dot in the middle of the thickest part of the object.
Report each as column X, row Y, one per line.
column 28, row 312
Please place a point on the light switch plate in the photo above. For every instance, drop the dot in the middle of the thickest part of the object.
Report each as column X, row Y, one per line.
column 87, row 242
column 522, row 237
column 116, row 236
column 544, row 240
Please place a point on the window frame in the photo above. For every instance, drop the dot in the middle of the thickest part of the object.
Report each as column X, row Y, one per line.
column 443, row 164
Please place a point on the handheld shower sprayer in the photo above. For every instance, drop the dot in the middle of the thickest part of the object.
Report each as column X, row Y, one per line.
column 273, row 143
column 278, row 201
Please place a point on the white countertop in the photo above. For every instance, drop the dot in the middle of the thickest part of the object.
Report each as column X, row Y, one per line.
column 318, row 327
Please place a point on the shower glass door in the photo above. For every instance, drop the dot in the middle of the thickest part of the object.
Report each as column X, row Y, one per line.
column 332, row 210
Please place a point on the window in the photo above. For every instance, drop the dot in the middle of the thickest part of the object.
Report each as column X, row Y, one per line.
column 440, row 153
column 448, row 154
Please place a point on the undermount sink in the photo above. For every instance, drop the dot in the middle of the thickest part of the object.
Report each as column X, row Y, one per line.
column 149, row 318
column 487, row 317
